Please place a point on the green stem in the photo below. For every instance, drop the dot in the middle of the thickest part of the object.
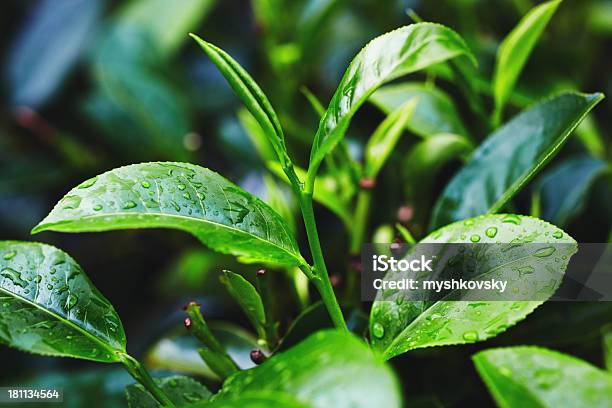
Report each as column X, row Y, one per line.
column 141, row 375
column 320, row 276
column 360, row 218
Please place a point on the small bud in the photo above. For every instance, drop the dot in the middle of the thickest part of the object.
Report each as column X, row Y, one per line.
column 367, row 183
column 405, row 213
column 190, row 304
column 187, row 322
column 261, row 273
column 335, row 280
column 257, row 356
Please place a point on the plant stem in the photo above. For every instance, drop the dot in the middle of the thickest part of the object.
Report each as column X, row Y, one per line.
column 320, row 275
column 141, row 375
column 360, row 219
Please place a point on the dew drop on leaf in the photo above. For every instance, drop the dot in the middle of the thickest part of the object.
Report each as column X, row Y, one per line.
column 129, row 204
column 470, row 336
column 378, row 330
column 71, row 202
column 544, row 252
column 475, row 238
column 557, row 234
column 97, row 207
column 71, row 301
column 88, row 183
column 9, row 255
column 512, row 219
column 13, row 276
column 145, row 184
column 181, row 187
column 491, row 232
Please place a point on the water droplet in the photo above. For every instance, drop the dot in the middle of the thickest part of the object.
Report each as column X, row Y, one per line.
column 557, row 234
column 378, row 330
column 129, row 204
column 175, row 205
column 467, row 223
column 470, row 336
column 145, row 184
column 192, row 397
column 181, row 187
column 88, row 183
column 491, row 232
column 475, row 238
column 38, row 278
column 200, row 195
column 71, row 301
column 49, row 286
column 544, row 252
column 186, row 196
column 71, row 202
column 525, row 270
column 546, row 377
column 9, row 255
column 512, row 219
column 13, row 276
column 97, row 207
column 173, row 383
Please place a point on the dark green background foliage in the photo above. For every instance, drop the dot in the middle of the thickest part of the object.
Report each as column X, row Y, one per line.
column 92, row 85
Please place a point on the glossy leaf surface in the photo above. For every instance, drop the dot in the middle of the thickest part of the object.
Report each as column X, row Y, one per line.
column 392, row 55
column 259, row 399
column 538, row 377
column 48, row 306
column 181, row 196
column 502, row 165
column 397, row 328
column 328, row 369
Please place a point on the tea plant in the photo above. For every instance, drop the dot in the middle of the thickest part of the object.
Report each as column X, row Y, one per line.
column 48, row 306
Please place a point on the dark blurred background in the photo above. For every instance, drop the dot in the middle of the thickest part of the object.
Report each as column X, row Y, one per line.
column 90, row 85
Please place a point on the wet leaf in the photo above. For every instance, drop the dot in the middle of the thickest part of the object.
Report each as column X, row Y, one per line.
column 390, row 56
column 397, row 328
column 181, row 196
column 181, row 390
column 48, row 306
column 537, row 377
column 328, row 369
column 256, row 399
column 503, row 164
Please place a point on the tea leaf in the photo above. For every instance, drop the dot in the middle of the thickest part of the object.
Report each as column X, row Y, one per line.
column 49, row 307
column 434, row 113
column 328, row 369
column 251, row 95
column 510, row 157
column 248, row 298
column 397, row 328
column 390, row 56
column 514, row 52
column 181, row 390
column 256, row 135
column 182, row 196
column 565, row 188
column 385, row 137
column 537, row 377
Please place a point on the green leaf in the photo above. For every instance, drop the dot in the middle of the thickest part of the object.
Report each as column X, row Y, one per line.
column 251, row 95
column 385, row 137
column 328, row 369
column 397, row 328
column 49, row 307
column 511, row 157
column 565, row 188
column 390, row 56
column 181, row 196
column 181, row 390
column 435, row 111
column 514, row 52
column 257, row 399
column 248, row 298
column 256, row 135
column 537, row 377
